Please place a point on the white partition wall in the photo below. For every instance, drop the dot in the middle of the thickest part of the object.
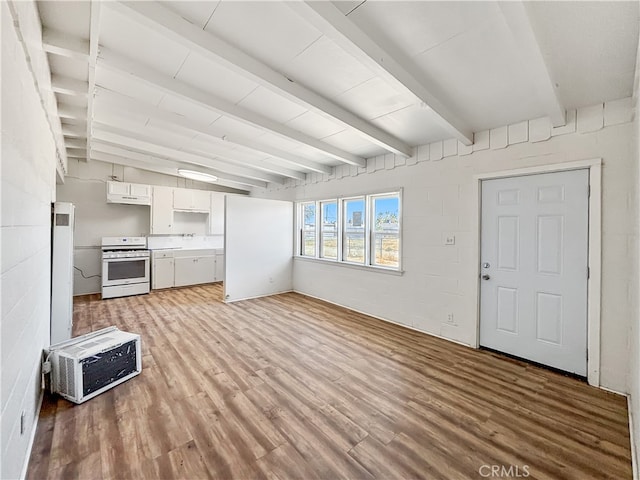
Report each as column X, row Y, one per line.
column 258, row 247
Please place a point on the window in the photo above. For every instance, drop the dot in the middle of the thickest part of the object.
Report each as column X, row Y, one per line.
column 308, row 239
column 363, row 230
column 329, row 230
column 353, row 246
column 386, row 230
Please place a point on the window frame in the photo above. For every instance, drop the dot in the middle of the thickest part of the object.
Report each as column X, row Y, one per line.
column 369, row 231
column 372, row 230
column 320, row 223
column 343, row 201
column 302, row 224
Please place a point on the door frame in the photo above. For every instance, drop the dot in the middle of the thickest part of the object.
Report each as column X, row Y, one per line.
column 594, row 248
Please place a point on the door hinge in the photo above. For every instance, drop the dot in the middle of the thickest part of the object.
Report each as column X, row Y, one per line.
column 588, row 272
column 589, row 191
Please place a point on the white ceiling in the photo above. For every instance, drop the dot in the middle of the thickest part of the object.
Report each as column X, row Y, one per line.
column 259, row 92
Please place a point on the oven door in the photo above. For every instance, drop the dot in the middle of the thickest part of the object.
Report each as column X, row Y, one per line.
column 123, row 271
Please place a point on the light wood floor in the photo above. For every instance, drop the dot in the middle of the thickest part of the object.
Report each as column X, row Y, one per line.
column 289, row 387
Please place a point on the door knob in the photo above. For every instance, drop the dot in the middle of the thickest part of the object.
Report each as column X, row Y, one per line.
column 485, row 277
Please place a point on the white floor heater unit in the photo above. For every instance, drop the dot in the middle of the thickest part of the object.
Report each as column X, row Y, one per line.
column 86, row 366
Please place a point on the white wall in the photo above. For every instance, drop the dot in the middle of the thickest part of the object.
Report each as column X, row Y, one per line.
column 634, row 357
column 85, row 186
column 258, row 247
column 28, row 188
column 438, row 185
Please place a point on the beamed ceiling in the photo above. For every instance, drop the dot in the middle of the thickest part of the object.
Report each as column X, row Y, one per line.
column 258, row 92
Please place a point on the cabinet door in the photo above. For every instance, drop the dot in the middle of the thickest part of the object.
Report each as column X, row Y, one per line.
column 216, row 216
column 219, row 268
column 200, row 200
column 183, row 269
column 118, row 188
column 190, row 199
column 182, row 199
column 162, row 210
column 205, row 270
column 138, row 190
column 163, row 270
column 194, row 270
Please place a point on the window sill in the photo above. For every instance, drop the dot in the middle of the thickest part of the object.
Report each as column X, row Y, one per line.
column 367, row 268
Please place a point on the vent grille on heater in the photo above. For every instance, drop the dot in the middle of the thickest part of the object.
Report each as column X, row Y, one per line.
column 107, row 367
column 67, row 382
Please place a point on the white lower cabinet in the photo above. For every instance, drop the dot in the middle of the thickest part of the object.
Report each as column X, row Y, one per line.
column 219, row 267
column 179, row 268
column 195, row 270
column 162, row 274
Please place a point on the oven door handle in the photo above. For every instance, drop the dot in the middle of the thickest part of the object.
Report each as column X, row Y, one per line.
column 125, row 259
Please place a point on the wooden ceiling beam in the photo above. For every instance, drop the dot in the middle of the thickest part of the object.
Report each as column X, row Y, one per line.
column 59, row 43
column 518, row 21
column 152, row 145
column 381, row 58
column 119, row 104
column 159, row 18
column 68, row 86
column 94, row 42
column 134, row 70
column 200, row 148
column 168, row 167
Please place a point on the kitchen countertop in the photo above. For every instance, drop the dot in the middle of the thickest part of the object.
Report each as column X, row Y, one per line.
column 185, row 248
column 185, row 252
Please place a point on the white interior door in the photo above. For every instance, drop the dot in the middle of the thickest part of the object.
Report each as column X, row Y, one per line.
column 534, row 254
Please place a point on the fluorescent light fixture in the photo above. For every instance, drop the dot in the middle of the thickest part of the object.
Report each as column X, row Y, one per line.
column 200, row 176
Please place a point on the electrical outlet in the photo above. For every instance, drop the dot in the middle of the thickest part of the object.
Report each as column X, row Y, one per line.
column 450, row 319
column 450, row 240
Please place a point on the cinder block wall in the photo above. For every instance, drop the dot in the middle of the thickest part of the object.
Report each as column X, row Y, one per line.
column 28, row 188
column 437, row 201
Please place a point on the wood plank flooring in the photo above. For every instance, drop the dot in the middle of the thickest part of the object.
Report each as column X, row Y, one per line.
column 289, row 387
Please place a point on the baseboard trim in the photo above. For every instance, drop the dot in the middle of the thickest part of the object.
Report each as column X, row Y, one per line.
column 257, row 296
column 426, row 333
column 32, row 438
column 606, row 389
column 384, row 319
column 633, row 439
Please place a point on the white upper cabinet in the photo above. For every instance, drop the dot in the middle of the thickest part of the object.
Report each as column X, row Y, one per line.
column 162, row 211
column 138, row 190
column 117, row 188
column 216, row 217
column 129, row 193
column 191, row 200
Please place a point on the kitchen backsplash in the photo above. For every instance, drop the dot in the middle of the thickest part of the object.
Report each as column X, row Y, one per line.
column 178, row 241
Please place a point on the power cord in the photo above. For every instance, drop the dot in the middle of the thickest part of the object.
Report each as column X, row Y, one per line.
column 84, row 276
